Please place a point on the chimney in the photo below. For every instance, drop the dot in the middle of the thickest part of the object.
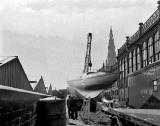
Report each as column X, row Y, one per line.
column 140, row 28
column 158, row 2
column 127, row 41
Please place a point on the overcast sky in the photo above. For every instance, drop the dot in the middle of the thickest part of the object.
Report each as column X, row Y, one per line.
column 50, row 36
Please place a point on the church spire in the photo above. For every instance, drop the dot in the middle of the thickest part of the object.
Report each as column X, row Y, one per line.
column 111, row 33
column 111, row 50
column 111, row 58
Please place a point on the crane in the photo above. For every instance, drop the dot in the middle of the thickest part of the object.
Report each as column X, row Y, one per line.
column 88, row 63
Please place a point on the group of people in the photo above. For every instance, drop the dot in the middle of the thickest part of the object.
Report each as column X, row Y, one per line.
column 74, row 106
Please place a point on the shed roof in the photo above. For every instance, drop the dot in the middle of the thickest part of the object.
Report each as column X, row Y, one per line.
column 6, row 59
column 40, row 86
column 20, row 73
column 50, row 90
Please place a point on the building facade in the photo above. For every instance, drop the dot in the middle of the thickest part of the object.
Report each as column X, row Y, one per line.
column 111, row 93
column 139, row 63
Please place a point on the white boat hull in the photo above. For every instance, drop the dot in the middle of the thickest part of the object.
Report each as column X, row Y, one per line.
column 95, row 81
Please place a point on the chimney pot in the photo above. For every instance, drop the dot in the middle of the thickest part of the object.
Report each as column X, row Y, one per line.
column 141, row 23
column 158, row 2
column 127, row 37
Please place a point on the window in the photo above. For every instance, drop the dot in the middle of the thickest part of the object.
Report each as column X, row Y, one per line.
column 130, row 62
column 150, row 50
column 126, row 66
column 134, row 60
column 138, row 60
column 120, row 67
column 123, row 67
column 155, row 85
column 144, row 51
column 157, row 46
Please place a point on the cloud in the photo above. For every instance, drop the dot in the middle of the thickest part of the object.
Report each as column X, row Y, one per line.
column 75, row 26
column 64, row 24
column 84, row 5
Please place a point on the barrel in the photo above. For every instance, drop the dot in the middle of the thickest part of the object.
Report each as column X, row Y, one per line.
column 51, row 112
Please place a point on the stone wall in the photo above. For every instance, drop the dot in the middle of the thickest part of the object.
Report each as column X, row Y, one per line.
column 18, row 114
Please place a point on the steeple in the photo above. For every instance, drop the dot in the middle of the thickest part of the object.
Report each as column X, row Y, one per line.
column 111, row 50
column 111, row 33
column 111, row 57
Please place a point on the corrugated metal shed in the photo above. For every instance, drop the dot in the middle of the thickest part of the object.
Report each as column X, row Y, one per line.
column 40, row 86
column 12, row 73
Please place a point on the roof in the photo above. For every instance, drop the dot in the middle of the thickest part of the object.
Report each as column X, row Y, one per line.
column 40, row 86
column 12, row 94
column 34, row 85
column 6, row 59
column 144, row 28
column 50, row 90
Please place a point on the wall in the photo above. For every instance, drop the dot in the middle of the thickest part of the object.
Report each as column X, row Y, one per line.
column 18, row 106
column 17, row 114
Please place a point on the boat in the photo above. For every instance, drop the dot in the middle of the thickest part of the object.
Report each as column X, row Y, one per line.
column 94, row 81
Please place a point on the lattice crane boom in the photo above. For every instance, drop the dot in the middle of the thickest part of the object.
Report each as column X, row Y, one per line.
column 88, row 63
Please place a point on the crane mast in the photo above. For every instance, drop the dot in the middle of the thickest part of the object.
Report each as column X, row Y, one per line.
column 88, row 63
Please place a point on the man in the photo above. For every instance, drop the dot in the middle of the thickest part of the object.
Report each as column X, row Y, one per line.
column 74, row 108
column 69, row 106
